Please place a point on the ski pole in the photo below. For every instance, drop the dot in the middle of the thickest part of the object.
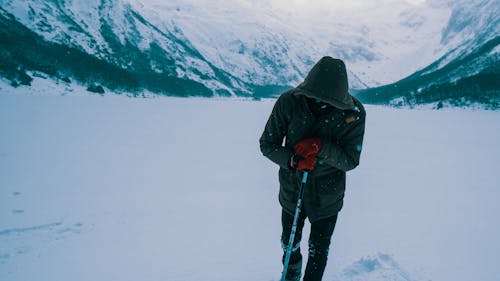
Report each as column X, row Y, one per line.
column 294, row 226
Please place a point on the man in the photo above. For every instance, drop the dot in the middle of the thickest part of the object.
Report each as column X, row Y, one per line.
column 323, row 128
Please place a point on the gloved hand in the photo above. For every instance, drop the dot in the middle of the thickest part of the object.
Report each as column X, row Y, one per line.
column 303, row 164
column 308, row 147
column 307, row 164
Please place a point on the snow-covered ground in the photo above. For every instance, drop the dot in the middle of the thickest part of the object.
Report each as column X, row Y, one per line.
column 118, row 188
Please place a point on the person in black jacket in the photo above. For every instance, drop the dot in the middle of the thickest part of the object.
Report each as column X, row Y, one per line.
column 323, row 128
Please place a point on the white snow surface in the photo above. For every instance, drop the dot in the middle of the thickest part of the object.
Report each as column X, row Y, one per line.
column 116, row 188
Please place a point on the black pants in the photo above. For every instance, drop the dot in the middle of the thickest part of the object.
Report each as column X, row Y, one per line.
column 319, row 243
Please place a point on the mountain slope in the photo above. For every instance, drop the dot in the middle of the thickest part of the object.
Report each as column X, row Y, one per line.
column 22, row 50
column 469, row 73
column 248, row 48
column 253, row 43
column 114, row 32
column 237, row 48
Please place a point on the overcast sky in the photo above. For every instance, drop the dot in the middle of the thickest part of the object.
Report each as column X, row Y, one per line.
column 344, row 4
column 336, row 5
column 305, row 4
column 301, row 8
column 310, row 9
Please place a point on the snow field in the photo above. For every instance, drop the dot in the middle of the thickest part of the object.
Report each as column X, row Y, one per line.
column 115, row 188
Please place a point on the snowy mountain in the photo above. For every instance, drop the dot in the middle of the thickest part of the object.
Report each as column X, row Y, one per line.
column 469, row 73
column 118, row 37
column 215, row 47
column 222, row 46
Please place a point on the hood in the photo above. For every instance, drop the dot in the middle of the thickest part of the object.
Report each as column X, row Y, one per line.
column 327, row 81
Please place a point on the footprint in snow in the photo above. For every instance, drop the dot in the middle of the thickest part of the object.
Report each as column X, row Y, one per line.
column 18, row 241
column 381, row 267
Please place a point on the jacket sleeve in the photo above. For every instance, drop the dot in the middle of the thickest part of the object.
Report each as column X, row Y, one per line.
column 271, row 141
column 344, row 153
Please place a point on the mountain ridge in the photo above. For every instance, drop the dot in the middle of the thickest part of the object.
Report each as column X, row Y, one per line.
column 163, row 45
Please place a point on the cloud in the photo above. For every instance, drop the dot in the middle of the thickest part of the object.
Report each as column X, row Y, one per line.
column 416, row 2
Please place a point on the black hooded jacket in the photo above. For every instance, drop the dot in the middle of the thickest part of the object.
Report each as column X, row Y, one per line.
column 341, row 130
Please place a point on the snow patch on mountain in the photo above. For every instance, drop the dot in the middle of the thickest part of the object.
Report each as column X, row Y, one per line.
column 113, row 31
column 267, row 43
column 471, row 24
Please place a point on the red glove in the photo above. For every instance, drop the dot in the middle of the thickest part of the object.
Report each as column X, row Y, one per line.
column 307, row 164
column 308, row 147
